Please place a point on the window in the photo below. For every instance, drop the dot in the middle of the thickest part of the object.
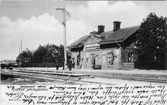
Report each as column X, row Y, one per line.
column 130, row 57
column 110, row 57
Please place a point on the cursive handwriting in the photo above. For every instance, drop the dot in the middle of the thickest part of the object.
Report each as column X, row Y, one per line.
column 88, row 95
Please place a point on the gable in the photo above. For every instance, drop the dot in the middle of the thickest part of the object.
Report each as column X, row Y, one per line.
column 93, row 42
column 93, row 39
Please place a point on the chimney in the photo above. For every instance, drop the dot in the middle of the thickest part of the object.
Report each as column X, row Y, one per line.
column 116, row 25
column 100, row 29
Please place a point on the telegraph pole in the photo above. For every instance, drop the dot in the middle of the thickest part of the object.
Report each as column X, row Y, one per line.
column 64, row 24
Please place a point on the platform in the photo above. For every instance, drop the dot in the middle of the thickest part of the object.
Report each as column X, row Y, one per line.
column 45, row 74
column 137, row 75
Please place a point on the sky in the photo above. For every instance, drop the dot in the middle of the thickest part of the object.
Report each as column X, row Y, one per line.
column 37, row 22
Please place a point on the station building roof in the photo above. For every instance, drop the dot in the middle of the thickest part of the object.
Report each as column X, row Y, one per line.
column 119, row 35
column 109, row 37
column 79, row 42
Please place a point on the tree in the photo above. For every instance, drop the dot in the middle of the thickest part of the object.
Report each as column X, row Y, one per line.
column 25, row 58
column 40, row 55
column 49, row 53
column 151, row 43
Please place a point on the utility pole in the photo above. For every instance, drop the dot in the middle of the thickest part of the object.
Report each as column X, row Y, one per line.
column 64, row 24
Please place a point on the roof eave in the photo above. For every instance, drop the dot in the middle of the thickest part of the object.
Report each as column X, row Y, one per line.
column 112, row 41
column 76, row 46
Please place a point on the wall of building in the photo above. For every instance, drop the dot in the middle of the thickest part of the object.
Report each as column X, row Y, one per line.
column 92, row 55
column 127, row 58
column 111, row 58
column 125, row 54
column 108, row 56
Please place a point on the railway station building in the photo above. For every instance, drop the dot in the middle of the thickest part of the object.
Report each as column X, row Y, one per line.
column 112, row 49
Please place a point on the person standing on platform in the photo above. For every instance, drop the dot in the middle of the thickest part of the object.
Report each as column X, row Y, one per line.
column 69, row 61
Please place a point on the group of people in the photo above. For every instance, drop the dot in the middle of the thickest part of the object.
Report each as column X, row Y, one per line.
column 70, row 62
